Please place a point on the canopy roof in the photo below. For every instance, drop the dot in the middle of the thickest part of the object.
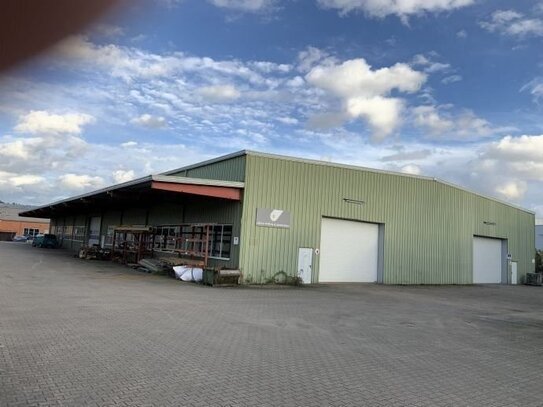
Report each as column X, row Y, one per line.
column 150, row 188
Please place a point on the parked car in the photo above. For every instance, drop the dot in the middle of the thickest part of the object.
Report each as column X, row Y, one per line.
column 46, row 240
column 18, row 238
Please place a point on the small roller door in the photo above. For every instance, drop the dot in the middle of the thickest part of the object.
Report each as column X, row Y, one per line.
column 487, row 260
column 348, row 251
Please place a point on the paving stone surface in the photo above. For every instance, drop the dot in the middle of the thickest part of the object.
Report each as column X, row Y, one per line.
column 88, row 333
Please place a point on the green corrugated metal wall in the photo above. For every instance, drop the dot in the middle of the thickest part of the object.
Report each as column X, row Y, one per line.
column 429, row 226
column 232, row 169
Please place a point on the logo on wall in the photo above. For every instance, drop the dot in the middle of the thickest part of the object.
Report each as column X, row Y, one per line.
column 274, row 218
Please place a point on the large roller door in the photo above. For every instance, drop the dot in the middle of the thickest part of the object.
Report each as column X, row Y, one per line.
column 348, row 251
column 487, row 260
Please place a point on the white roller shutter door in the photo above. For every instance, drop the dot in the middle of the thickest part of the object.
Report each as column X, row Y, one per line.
column 348, row 251
column 487, row 260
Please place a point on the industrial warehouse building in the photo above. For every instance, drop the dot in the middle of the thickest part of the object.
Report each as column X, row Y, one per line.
column 276, row 218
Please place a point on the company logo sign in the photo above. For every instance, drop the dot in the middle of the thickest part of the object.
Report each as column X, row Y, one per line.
column 273, row 218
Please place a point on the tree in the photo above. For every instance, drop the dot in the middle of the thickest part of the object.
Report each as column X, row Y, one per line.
column 539, row 261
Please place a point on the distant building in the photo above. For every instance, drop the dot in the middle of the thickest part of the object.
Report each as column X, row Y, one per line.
column 539, row 237
column 12, row 224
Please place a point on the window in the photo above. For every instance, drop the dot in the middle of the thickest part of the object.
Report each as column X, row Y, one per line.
column 109, row 235
column 67, row 232
column 79, row 233
column 30, row 232
column 57, row 230
column 166, row 237
column 221, row 240
column 192, row 237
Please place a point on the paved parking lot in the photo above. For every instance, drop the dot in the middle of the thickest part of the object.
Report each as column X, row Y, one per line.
column 75, row 332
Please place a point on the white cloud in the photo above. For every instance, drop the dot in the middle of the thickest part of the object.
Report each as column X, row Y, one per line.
column 428, row 64
column 219, row 93
column 77, row 182
column 514, row 24
column 310, row 57
column 269, row 67
column 364, row 92
column 15, row 180
column 327, row 120
column 32, row 153
column 123, row 176
column 288, row 120
column 37, row 122
column 16, row 148
column 26, row 179
column 107, row 30
column 451, row 79
column 436, row 67
column 440, row 121
column 131, row 63
column 382, row 114
column 470, row 125
column 123, row 62
column 411, row 169
column 511, row 167
column 462, row 34
column 356, row 78
column 535, row 87
column 168, row 84
column 513, row 190
column 129, row 144
column 400, row 8
column 150, row 121
column 429, row 118
column 526, row 148
column 252, row 6
column 402, row 155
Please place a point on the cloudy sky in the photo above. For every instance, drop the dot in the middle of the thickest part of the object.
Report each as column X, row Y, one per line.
column 444, row 88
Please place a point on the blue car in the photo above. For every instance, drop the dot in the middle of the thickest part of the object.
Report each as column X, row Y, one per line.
column 47, row 240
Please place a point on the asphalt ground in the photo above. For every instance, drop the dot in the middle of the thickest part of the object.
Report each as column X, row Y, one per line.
column 77, row 333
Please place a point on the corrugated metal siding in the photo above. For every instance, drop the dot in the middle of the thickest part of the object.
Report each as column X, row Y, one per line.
column 429, row 226
column 232, row 169
column 134, row 216
column 165, row 214
column 109, row 218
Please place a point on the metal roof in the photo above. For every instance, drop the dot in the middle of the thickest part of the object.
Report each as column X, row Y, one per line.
column 162, row 176
column 142, row 181
column 197, row 181
column 347, row 166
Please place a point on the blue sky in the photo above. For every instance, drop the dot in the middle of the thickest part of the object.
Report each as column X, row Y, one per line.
column 444, row 88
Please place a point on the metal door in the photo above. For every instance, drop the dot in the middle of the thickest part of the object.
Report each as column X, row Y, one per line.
column 513, row 272
column 305, row 262
column 349, row 251
column 487, row 260
column 94, row 230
